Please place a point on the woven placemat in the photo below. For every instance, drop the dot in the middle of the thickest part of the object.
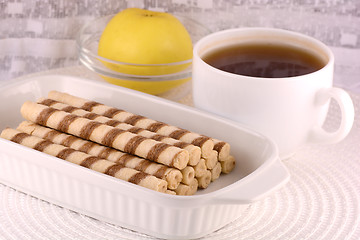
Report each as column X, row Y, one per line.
column 321, row 201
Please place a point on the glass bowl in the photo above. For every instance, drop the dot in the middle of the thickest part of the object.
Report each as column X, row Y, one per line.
column 87, row 43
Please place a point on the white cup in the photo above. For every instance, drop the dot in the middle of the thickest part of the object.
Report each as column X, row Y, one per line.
column 289, row 110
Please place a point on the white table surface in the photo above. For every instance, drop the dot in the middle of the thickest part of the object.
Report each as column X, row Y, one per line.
column 321, row 201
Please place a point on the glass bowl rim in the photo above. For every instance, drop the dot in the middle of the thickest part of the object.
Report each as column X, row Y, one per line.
column 87, row 51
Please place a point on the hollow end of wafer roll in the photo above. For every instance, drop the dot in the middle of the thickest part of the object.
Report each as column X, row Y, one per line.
column 204, row 180
column 216, row 171
column 182, row 189
column 188, row 174
column 211, row 160
column 228, row 164
column 194, row 154
column 194, row 184
column 187, row 190
column 200, row 168
column 173, row 177
column 154, row 183
column 181, row 159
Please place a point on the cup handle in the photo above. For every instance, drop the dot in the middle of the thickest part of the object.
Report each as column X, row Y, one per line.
column 318, row 134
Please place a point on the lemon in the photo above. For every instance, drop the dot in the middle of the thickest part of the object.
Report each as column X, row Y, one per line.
column 139, row 38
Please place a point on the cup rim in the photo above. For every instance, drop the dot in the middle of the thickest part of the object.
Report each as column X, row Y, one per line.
column 324, row 48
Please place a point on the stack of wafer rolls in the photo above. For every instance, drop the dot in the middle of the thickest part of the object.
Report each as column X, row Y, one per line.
column 171, row 175
column 95, row 163
column 194, row 151
column 106, row 135
column 102, row 137
column 214, row 151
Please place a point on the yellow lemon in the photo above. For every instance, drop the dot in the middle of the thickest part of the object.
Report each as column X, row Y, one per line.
column 139, row 38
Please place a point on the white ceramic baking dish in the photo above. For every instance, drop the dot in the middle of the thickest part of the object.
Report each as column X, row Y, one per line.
column 258, row 169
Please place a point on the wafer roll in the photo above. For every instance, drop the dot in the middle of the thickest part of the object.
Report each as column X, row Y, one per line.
column 215, row 172
column 187, row 190
column 205, row 143
column 228, row 164
column 171, row 175
column 211, row 160
column 204, row 180
column 106, row 135
column 194, row 151
column 170, row 192
column 223, row 148
column 200, row 168
column 101, row 165
column 188, row 174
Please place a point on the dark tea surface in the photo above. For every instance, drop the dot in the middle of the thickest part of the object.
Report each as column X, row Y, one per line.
column 264, row 60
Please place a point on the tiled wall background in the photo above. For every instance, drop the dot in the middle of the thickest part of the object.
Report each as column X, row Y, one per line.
column 37, row 35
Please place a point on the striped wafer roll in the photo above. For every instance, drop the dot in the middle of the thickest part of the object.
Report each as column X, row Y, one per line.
column 204, row 180
column 187, row 189
column 171, row 175
column 205, row 143
column 100, row 165
column 223, row 148
column 106, row 135
column 188, row 174
column 228, row 164
column 194, row 151
column 200, row 168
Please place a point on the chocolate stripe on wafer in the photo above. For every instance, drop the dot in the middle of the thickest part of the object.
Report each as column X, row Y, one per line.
column 223, row 148
column 112, row 112
column 51, row 135
column 85, row 147
column 89, row 115
column 44, row 116
column 65, row 123
column 113, row 169
column 124, row 159
column 133, row 144
column 63, row 154
column 89, row 105
column 138, row 177
column 177, row 134
column 85, row 160
column 134, row 119
column 48, row 102
column 112, row 122
column 156, row 150
column 154, row 127
column 88, row 129
column 110, row 136
column 18, row 137
column 42, row 145
column 69, row 109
